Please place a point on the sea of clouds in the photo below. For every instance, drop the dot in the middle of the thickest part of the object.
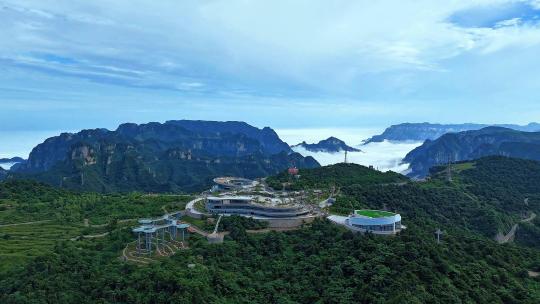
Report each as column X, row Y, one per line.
column 6, row 166
column 384, row 156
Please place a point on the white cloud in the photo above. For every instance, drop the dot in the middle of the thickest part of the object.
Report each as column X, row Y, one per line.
column 332, row 63
column 309, row 43
column 383, row 156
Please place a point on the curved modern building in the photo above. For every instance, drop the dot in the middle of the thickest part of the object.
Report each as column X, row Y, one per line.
column 246, row 205
column 375, row 221
column 233, row 183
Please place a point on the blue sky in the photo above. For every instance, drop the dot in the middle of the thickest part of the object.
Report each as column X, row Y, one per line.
column 67, row 65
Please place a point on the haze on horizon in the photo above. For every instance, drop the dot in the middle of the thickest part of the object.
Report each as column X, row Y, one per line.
column 69, row 65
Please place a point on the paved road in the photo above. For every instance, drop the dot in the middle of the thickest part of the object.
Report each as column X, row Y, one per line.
column 195, row 229
column 501, row 239
column 191, row 206
column 530, row 218
column 217, row 224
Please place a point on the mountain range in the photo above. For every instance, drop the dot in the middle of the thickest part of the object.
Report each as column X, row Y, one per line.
column 329, row 145
column 12, row 160
column 177, row 155
column 453, row 147
column 424, row 131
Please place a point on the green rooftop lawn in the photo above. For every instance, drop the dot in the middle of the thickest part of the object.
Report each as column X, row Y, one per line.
column 373, row 213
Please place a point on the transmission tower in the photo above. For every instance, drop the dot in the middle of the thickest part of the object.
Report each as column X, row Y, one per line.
column 345, row 156
column 438, row 232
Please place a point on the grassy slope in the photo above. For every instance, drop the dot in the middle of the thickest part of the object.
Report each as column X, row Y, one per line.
column 64, row 214
column 374, row 213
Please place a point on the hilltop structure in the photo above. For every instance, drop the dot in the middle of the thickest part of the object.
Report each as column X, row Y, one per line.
column 254, row 206
column 374, row 221
column 233, row 183
column 159, row 233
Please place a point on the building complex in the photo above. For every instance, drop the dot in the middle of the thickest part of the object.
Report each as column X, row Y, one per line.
column 233, row 183
column 254, row 206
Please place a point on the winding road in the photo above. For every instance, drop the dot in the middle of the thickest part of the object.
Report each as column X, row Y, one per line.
column 502, row 239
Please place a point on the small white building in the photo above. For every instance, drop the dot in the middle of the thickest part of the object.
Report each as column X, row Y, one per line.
column 374, row 221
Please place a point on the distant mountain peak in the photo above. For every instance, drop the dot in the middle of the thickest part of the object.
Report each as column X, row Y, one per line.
column 431, row 131
column 472, row 144
column 329, row 145
column 15, row 159
column 172, row 156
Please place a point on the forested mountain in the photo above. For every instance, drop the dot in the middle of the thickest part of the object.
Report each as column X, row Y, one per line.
column 471, row 145
column 329, row 145
column 3, row 174
column 201, row 138
column 334, row 176
column 321, row 262
column 173, row 156
column 486, row 196
column 425, row 131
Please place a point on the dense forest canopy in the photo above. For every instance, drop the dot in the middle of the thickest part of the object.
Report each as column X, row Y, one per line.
column 334, row 175
column 320, row 263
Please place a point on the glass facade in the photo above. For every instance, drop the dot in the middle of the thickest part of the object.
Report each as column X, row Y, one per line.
column 245, row 207
column 389, row 227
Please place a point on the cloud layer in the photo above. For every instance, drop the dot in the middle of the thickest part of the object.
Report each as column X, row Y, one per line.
column 279, row 63
column 383, row 156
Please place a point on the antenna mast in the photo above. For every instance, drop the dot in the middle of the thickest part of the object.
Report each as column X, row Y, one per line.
column 345, row 156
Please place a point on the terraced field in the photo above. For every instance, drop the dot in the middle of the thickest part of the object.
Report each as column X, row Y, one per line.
column 22, row 242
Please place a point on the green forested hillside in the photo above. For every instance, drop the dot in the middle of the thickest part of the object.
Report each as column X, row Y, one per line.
column 61, row 215
column 321, row 263
column 335, row 175
column 486, row 196
column 176, row 156
column 473, row 144
column 132, row 172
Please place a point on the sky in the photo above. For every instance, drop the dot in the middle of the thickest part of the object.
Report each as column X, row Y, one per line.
column 292, row 65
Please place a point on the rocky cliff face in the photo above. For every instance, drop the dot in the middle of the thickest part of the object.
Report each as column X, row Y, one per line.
column 471, row 145
column 428, row 131
column 329, row 145
column 267, row 137
column 174, row 156
column 59, row 148
column 207, row 138
column 3, row 174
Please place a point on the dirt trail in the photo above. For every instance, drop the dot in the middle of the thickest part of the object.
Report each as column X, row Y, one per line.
column 90, row 236
column 26, row 223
